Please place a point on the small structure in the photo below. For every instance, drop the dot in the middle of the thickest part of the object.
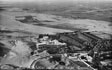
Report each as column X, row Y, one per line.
column 27, row 19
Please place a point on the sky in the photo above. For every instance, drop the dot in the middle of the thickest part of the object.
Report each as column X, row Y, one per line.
column 48, row 0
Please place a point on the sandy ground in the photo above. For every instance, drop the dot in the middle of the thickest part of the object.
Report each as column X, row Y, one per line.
column 8, row 21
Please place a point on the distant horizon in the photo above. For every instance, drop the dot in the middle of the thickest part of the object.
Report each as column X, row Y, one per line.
column 45, row 4
column 51, row 1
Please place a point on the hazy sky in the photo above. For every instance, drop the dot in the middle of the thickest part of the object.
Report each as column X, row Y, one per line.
column 48, row 0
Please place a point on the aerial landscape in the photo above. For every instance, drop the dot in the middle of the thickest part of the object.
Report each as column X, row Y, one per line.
column 56, row 34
